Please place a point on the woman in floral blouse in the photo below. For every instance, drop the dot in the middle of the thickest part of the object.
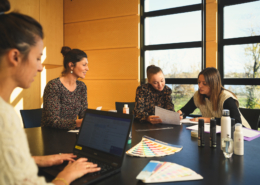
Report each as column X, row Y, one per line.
column 65, row 98
column 154, row 93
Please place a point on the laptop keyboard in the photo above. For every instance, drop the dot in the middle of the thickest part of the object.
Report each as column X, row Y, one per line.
column 104, row 167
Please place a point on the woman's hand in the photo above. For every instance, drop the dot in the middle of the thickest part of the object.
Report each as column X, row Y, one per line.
column 76, row 170
column 181, row 115
column 50, row 160
column 206, row 120
column 78, row 122
column 154, row 119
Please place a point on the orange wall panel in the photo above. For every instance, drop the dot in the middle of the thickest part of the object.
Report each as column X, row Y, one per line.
column 103, row 34
column 27, row 7
column 51, row 18
column 82, row 10
column 113, row 64
column 106, row 92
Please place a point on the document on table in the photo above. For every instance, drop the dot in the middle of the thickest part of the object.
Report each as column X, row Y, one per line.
column 187, row 120
column 167, row 116
column 206, row 128
column 250, row 134
column 74, row 131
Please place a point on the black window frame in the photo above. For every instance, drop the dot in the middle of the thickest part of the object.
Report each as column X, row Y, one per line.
column 196, row 44
column 232, row 41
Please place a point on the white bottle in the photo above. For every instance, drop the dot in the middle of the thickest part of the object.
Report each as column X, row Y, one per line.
column 225, row 124
column 238, row 140
column 125, row 109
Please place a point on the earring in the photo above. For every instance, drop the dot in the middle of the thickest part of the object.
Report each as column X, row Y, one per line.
column 71, row 71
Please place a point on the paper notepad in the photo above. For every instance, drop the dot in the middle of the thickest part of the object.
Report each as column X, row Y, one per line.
column 167, row 116
column 158, row 171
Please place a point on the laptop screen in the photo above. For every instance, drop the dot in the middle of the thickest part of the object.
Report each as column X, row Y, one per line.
column 104, row 133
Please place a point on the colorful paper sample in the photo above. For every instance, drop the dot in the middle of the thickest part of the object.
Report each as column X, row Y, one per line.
column 149, row 147
column 158, row 171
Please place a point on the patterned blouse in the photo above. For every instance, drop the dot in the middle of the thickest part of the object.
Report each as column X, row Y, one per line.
column 61, row 107
column 147, row 98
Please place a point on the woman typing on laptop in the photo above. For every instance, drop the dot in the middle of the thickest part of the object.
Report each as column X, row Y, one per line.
column 65, row 98
column 154, row 93
column 21, row 48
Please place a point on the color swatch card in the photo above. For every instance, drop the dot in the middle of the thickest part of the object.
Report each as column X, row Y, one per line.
column 157, row 171
column 150, row 147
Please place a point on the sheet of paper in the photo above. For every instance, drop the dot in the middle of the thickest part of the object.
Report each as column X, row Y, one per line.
column 167, row 116
column 206, row 128
column 74, row 131
column 187, row 120
column 250, row 133
column 99, row 108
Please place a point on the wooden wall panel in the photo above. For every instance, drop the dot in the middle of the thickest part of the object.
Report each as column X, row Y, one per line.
column 113, row 64
column 82, row 10
column 50, row 14
column 51, row 18
column 103, row 34
column 106, row 92
column 211, row 33
column 28, row 7
column 211, row 54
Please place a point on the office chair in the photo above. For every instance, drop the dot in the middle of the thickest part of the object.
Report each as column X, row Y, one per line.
column 31, row 118
column 252, row 116
column 120, row 105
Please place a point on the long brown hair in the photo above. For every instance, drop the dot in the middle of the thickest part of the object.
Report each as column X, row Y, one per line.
column 213, row 80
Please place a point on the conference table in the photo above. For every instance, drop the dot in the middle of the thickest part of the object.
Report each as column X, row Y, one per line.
column 206, row 161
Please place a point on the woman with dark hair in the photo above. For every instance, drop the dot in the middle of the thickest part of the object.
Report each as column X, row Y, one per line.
column 154, row 93
column 21, row 48
column 65, row 98
column 212, row 98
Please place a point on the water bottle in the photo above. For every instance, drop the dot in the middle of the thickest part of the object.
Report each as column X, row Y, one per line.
column 225, row 124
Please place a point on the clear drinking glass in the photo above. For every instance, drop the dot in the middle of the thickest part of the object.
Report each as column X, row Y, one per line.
column 227, row 147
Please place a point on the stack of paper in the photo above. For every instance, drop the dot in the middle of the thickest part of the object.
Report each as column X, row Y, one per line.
column 157, row 171
column 149, row 147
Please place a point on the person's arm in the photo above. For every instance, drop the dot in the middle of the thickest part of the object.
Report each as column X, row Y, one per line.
column 188, row 108
column 51, row 109
column 230, row 104
column 168, row 101
column 84, row 104
column 139, row 110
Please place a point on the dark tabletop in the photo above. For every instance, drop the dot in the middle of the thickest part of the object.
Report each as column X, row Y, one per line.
column 206, row 161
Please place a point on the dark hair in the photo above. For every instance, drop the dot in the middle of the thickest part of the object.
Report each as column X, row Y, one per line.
column 152, row 70
column 71, row 55
column 17, row 30
column 213, row 80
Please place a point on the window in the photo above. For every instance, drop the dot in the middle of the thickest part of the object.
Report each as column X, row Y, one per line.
column 239, row 49
column 173, row 38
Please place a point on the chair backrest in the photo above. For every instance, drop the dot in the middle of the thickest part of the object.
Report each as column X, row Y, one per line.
column 31, row 118
column 120, row 105
column 252, row 117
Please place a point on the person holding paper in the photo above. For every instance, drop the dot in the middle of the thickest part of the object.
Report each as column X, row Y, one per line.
column 154, row 93
column 212, row 98
column 65, row 98
column 21, row 39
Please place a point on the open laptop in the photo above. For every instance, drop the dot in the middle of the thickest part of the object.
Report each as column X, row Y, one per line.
column 102, row 139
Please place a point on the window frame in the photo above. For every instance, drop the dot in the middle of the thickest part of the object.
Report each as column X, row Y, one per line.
column 232, row 41
column 196, row 44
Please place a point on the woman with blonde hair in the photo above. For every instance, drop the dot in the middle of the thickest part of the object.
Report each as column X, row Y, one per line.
column 212, row 98
column 154, row 93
